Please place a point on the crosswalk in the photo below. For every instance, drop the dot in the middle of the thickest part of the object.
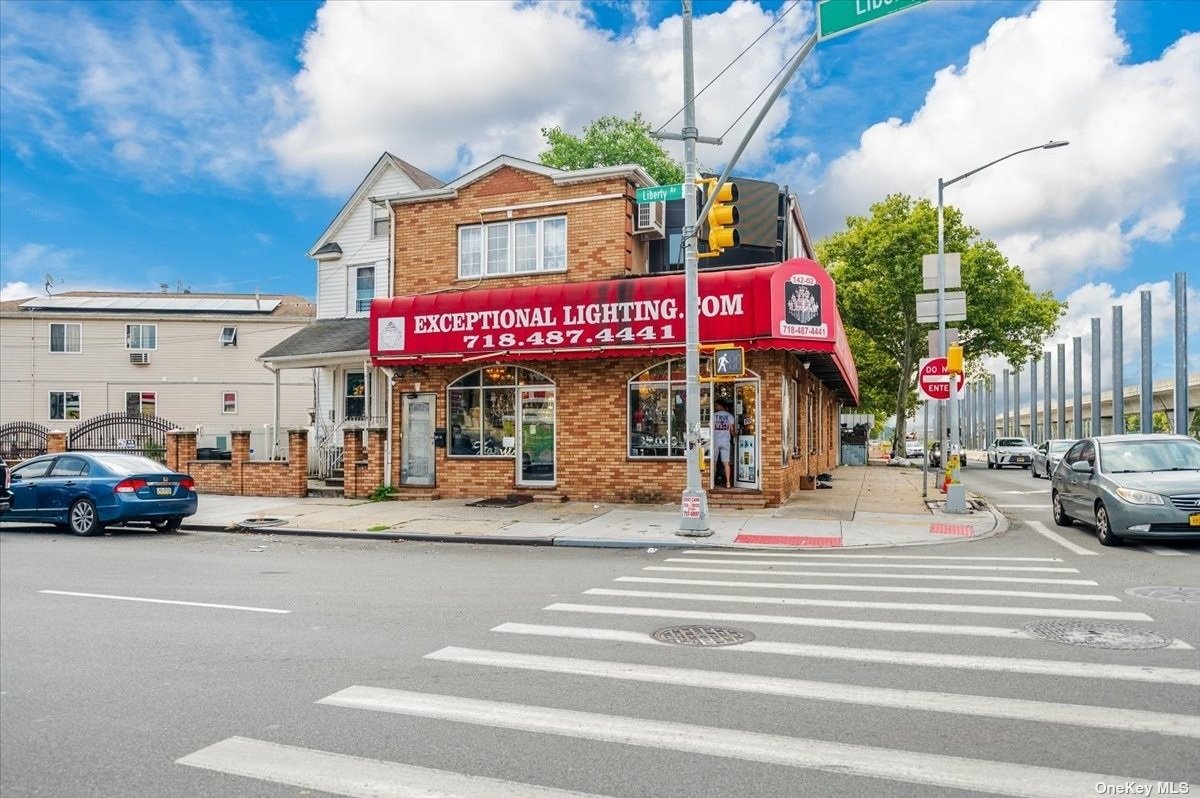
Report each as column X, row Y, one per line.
column 933, row 645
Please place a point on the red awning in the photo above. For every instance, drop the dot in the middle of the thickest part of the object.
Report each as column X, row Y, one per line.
column 790, row 306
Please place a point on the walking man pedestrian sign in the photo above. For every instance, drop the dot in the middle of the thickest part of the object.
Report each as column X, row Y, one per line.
column 728, row 361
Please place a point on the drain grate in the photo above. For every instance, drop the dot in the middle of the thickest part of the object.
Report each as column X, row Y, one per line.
column 703, row 636
column 1165, row 593
column 1096, row 635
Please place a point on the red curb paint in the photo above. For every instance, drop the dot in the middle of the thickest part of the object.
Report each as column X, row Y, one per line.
column 788, row 540
column 958, row 530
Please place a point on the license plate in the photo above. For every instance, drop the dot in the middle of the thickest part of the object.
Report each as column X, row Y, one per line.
column 1194, row 519
column 1019, row 459
column 164, row 491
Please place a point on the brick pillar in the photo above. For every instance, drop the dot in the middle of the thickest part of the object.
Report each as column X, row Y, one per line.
column 351, row 451
column 181, row 449
column 56, row 442
column 298, row 461
column 240, row 453
column 376, row 447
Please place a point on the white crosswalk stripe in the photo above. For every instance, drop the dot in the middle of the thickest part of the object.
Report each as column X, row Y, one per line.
column 1024, row 580
column 839, row 556
column 943, row 591
column 844, row 758
column 776, row 561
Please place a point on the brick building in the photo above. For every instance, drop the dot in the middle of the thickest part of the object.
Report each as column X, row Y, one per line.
column 529, row 348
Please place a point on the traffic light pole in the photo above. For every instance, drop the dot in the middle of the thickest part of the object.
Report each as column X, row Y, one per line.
column 693, row 520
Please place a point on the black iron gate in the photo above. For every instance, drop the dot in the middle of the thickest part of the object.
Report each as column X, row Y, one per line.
column 130, row 433
column 20, row 440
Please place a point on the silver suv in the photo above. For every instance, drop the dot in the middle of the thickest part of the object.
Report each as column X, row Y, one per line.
column 1010, row 452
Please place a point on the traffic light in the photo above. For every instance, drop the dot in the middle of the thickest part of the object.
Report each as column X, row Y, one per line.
column 722, row 218
column 954, row 359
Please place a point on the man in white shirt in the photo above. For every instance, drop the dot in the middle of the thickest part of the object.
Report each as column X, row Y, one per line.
column 724, row 424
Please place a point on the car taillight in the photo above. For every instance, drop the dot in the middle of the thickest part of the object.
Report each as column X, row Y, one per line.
column 130, row 485
column 188, row 482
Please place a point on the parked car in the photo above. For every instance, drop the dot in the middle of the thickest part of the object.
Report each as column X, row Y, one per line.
column 86, row 492
column 5, row 494
column 1047, row 455
column 913, row 449
column 1010, row 452
column 1130, row 486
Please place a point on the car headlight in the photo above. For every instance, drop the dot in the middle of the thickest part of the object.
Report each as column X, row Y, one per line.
column 1138, row 496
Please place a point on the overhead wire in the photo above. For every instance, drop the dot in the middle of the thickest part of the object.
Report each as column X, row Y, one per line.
column 757, row 97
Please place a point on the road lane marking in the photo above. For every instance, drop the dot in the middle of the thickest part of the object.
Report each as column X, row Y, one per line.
column 922, row 659
column 816, row 555
column 790, row 601
column 341, row 774
column 1026, row 492
column 1131, row 720
column 812, row 754
column 166, row 601
column 775, row 561
column 1027, row 580
column 949, row 591
column 1049, row 534
column 1024, row 506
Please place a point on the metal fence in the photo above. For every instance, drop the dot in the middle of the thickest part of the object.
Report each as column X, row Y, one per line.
column 130, row 433
column 20, row 440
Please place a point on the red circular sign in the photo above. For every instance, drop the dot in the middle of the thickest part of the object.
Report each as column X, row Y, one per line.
column 934, row 381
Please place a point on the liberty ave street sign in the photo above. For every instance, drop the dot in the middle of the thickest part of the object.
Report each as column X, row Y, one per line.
column 673, row 191
column 835, row 17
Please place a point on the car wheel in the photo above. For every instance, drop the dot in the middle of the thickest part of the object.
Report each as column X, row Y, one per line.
column 1060, row 515
column 1104, row 531
column 167, row 524
column 82, row 518
column 1033, row 473
column 991, row 464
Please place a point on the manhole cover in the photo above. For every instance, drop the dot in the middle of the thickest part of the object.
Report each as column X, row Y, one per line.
column 1164, row 593
column 1096, row 635
column 702, row 636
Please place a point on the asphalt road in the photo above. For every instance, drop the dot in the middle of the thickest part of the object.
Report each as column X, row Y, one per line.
column 882, row 672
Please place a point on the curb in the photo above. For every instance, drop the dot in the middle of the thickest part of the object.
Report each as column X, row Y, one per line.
column 388, row 537
column 612, row 543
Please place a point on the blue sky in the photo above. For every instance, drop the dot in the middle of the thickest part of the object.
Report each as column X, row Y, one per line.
column 208, row 144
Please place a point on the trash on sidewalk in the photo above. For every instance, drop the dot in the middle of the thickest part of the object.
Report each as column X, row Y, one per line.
column 260, row 523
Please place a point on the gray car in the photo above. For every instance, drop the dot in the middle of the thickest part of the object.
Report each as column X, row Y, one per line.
column 1047, row 455
column 1130, row 486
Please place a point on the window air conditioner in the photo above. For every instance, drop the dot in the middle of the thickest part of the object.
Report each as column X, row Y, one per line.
column 139, row 358
column 650, row 220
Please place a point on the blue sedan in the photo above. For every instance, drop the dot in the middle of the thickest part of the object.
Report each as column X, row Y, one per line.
column 85, row 492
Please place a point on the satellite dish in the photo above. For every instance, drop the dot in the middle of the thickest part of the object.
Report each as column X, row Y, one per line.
column 49, row 282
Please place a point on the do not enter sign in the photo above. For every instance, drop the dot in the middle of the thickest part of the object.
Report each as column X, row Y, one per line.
column 933, row 380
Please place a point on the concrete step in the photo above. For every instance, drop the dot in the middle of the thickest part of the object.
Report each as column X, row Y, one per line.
column 415, row 494
column 319, row 491
column 736, row 499
column 335, row 482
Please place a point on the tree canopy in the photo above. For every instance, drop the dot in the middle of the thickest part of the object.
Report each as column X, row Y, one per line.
column 876, row 264
column 611, row 141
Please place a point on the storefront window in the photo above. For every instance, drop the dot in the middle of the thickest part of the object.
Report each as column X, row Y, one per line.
column 658, row 410
column 482, row 410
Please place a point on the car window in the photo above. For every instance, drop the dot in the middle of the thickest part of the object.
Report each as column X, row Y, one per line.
column 69, row 467
column 33, row 470
column 1045, row 447
column 126, row 464
column 1011, row 442
column 1088, row 452
column 1127, row 457
column 1074, row 455
column 1061, row 446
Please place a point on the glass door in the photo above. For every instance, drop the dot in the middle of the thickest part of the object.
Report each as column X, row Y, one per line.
column 416, row 446
column 536, row 438
column 745, row 454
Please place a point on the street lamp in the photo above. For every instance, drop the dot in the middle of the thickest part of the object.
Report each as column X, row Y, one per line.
column 953, row 397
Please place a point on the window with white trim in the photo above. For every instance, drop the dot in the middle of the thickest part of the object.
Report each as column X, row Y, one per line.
column 362, row 288
column 519, row 246
column 379, row 223
column 228, row 336
column 141, row 403
column 481, row 408
column 64, row 405
column 141, row 336
column 66, row 337
column 229, row 402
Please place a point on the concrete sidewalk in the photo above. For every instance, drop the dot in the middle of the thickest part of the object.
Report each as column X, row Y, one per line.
column 867, row 506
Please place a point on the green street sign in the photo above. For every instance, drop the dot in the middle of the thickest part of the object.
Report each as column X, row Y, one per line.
column 835, row 17
column 659, row 193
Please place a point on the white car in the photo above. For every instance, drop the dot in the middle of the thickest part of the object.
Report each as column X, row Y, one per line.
column 913, row 449
column 1010, row 452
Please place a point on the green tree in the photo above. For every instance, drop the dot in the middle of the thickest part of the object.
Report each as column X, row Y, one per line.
column 876, row 264
column 611, row 141
column 1159, row 422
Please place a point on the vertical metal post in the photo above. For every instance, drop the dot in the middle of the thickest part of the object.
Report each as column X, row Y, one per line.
column 1182, row 413
column 693, row 519
column 1033, row 418
column 275, row 421
column 1016, row 378
column 1096, row 414
column 1004, row 428
column 941, row 307
column 1147, row 397
column 1047, row 421
column 1077, row 388
column 925, row 456
column 1118, row 372
column 994, row 421
column 1062, row 390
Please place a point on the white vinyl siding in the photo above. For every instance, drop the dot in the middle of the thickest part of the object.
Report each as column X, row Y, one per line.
column 523, row 246
column 66, row 338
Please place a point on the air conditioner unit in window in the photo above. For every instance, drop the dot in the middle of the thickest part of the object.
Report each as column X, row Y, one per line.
column 650, row 220
column 139, row 358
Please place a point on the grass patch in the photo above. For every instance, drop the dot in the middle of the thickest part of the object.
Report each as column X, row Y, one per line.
column 378, row 528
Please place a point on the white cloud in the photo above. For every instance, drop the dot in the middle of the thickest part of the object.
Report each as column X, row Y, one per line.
column 382, row 77
column 16, row 290
column 33, row 260
column 1056, row 73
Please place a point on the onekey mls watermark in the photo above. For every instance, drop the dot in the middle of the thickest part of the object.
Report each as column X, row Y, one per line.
column 1143, row 788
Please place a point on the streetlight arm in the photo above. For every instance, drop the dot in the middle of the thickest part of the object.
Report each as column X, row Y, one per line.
column 965, row 175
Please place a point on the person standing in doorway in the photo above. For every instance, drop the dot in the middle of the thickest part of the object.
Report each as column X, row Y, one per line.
column 724, row 425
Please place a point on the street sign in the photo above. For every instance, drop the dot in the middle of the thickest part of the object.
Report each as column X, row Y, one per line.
column 673, row 191
column 933, row 381
column 728, row 362
column 953, row 270
column 927, row 307
column 835, row 17
column 935, row 341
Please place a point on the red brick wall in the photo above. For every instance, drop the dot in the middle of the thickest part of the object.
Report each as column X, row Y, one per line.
column 241, row 476
column 600, row 242
column 351, row 463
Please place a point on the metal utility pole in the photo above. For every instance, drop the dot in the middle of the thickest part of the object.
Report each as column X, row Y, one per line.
column 1118, row 373
column 1033, row 418
column 1077, row 388
column 1005, row 427
column 1096, row 414
column 1062, row 390
column 1147, row 397
column 1047, row 422
column 1016, row 378
column 1182, row 414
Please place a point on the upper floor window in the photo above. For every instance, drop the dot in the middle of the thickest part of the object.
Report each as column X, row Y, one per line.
column 363, row 287
column 66, row 337
column 141, row 336
column 521, row 246
column 141, row 403
column 229, row 402
column 379, row 224
column 228, row 336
